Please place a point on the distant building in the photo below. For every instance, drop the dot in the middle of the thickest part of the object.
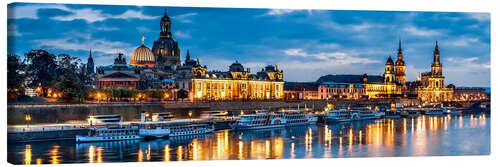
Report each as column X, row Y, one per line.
column 432, row 87
column 301, row 91
column 235, row 84
column 469, row 94
column 165, row 49
column 334, row 90
column 119, row 75
column 400, row 67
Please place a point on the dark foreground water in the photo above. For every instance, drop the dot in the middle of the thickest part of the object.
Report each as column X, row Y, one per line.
column 465, row 134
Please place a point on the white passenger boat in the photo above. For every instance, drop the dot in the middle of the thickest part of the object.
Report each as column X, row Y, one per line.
column 433, row 112
column 451, row 110
column 344, row 115
column 278, row 119
column 109, row 134
column 108, row 128
column 170, row 128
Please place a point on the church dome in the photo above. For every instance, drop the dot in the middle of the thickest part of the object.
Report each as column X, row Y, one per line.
column 143, row 57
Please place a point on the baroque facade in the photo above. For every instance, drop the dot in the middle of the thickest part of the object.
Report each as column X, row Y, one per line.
column 235, row 84
column 432, row 87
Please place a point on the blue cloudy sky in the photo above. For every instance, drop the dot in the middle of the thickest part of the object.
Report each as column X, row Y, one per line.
column 306, row 44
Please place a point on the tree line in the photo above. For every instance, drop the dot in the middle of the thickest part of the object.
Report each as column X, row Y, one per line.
column 67, row 75
column 45, row 71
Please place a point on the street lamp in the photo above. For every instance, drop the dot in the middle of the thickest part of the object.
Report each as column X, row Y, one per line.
column 27, row 117
column 190, row 114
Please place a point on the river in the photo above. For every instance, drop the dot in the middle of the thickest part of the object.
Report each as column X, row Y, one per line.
column 466, row 134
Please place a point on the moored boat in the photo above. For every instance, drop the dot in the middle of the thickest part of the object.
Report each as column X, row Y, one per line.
column 109, row 134
column 344, row 115
column 278, row 119
column 451, row 110
column 433, row 112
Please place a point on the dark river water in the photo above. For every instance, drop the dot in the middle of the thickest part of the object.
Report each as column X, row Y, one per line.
column 466, row 134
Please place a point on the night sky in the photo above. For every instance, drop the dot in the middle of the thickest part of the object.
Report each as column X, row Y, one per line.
column 306, row 44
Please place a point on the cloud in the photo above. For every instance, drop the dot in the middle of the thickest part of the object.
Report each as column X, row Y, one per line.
column 421, row 31
column 280, row 12
column 184, row 18
column 331, row 57
column 182, row 34
column 30, row 11
column 93, row 15
column 87, row 14
column 97, row 45
column 462, row 41
column 107, row 28
column 482, row 17
column 12, row 30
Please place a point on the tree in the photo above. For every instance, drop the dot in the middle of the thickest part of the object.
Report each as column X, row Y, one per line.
column 41, row 68
column 68, row 81
column 182, row 94
column 15, row 76
column 70, row 86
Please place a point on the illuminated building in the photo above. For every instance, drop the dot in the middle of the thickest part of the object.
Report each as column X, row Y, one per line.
column 118, row 76
column 165, row 49
column 301, row 90
column 332, row 90
column 469, row 94
column 432, row 88
column 235, row 84
column 143, row 57
column 400, row 67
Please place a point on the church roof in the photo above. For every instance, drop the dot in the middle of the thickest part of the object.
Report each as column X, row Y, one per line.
column 349, row 78
column 301, row 86
column 118, row 76
column 389, row 61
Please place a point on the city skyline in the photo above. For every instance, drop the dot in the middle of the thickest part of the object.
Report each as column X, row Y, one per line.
column 306, row 44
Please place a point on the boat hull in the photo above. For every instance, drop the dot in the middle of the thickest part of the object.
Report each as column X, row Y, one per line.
column 106, row 138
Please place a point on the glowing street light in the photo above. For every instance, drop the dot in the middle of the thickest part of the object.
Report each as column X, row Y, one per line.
column 27, row 117
column 190, row 114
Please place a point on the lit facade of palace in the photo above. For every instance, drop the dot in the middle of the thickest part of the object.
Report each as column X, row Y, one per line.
column 334, row 90
column 386, row 89
column 432, row 87
column 235, row 84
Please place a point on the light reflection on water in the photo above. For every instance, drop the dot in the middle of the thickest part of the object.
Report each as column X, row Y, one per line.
column 423, row 135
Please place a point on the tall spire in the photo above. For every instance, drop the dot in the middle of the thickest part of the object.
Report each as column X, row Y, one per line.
column 187, row 55
column 436, row 54
column 90, row 53
column 399, row 45
column 436, row 48
column 165, row 11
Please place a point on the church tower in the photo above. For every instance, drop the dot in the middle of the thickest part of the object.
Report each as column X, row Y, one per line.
column 437, row 79
column 436, row 67
column 165, row 49
column 90, row 63
column 400, row 67
column 389, row 74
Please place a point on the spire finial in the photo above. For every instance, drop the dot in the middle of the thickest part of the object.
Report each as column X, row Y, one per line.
column 437, row 47
column 142, row 39
column 165, row 11
column 400, row 44
column 90, row 52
